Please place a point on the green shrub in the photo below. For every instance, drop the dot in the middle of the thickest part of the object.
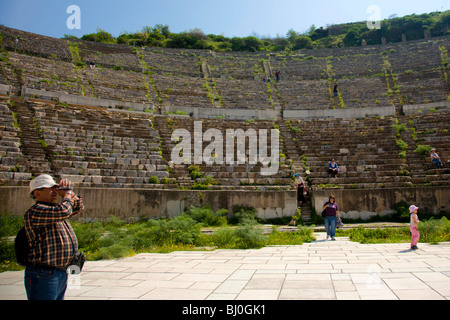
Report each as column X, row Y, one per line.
column 304, row 234
column 398, row 128
column 113, row 252
column 431, row 231
column 402, row 144
column 184, row 229
column 225, row 238
column 153, row 180
column 194, row 172
column 423, row 149
column 143, row 239
column 88, row 235
column 160, row 231
column 434, row 231
column 207, row 217
column 244, row 215
column 249, row 237
column 10, row 225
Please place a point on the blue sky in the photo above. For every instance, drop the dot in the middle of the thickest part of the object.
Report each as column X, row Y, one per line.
column 229, row 17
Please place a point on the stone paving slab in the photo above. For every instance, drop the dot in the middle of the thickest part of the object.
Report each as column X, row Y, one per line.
column 323, row 269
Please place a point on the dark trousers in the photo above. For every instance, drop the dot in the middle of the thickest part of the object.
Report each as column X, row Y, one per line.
column 45, row 283
column 332, row 172
column 300, row 196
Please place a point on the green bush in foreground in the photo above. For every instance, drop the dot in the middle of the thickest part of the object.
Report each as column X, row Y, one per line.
column 432, row 231
column 114, row 238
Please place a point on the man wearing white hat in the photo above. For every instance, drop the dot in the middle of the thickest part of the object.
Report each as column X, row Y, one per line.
column 53, row 242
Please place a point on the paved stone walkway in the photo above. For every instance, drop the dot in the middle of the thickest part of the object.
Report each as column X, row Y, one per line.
column 322, row 269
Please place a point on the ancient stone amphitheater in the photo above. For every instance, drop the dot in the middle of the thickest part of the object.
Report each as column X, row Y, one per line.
column 109, row 128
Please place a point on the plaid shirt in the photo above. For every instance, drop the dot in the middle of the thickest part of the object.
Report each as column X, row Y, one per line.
column 52, row 239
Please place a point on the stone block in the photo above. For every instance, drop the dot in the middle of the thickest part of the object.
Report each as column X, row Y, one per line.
column 69, row 171
column 122, row 179
column 96, row 179
column 123, row 161
column 131, row 173
column 135, row 162
column 138, row 180
column 80, row 164
column 22, row 176
column 7, row 175
column 73, row 178
column 93, row 172
column 150, row 167
column 109, row 179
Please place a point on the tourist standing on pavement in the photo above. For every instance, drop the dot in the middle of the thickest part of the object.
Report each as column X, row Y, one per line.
column 414, row 220
column 331, row 216
column 53, row 243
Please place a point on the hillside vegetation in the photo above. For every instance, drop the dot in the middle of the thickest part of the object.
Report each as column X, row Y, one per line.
column 348, row 34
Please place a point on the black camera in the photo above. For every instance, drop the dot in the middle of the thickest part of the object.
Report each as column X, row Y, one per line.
column 76, row 265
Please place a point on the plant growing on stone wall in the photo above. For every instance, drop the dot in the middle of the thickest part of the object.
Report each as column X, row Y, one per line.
column 153, row 180
column 445, row 59
column 402, row 144
column 195, row 173
column 423, row 149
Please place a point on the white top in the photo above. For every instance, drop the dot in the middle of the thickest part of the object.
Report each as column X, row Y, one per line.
column 298, row 181
column 413, row 219
column 434, row 155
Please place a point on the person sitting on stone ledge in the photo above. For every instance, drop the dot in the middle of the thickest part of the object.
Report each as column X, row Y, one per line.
column 435, row 158
column 333, row 169
column 92, row 64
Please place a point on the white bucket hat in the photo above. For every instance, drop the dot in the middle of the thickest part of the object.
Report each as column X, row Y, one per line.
column 42, row 181
column 413, row 208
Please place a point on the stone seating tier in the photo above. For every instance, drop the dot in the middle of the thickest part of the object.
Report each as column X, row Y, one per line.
column 233, row 175
column 94, row 146
column 96, row 141
column 11, row 157
column 118, row 150
column 175, row 77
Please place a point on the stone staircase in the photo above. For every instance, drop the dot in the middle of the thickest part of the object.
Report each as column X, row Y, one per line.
column 429, row 129
column 179, row 172
column 293, row 155
column 33, row 146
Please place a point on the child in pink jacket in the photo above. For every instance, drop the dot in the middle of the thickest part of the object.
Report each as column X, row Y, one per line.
column 414, row 220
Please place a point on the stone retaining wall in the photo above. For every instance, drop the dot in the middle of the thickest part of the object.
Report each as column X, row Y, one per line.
column 126, row 203
column 364, row 204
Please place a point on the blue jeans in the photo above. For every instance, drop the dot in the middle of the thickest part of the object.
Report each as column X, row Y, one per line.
column 330, row 225
column 45, row 284
column 438, row 162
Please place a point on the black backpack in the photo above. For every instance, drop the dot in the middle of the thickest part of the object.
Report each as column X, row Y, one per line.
column 22, row 247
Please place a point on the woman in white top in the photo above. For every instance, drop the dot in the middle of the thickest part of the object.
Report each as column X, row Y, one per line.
column 414, row 220
column 435, row 158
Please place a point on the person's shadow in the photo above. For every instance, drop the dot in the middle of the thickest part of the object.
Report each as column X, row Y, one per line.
column 406, row 251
